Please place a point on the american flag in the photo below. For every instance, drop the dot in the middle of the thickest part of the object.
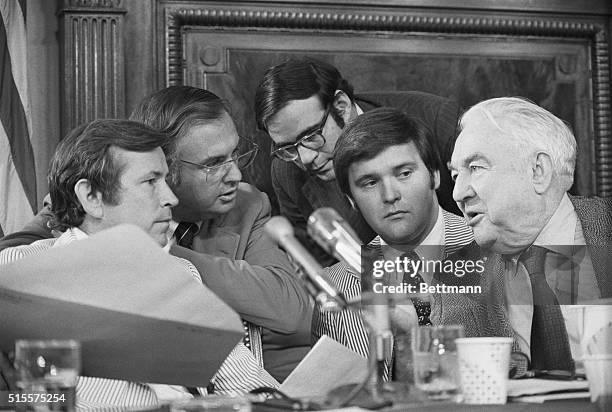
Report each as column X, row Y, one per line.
column 17, row 172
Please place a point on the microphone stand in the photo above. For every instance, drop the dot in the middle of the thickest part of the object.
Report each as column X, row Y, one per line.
column 373, row 392
column 338, row 239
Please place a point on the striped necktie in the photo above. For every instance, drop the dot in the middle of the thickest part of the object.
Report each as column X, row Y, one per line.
column 550, row 349
column 423, row 308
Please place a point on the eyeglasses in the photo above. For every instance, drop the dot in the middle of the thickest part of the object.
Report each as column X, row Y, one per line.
column 313, row 140
column 217, row 169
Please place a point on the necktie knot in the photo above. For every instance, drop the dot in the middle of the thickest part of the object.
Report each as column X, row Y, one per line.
column 533, row 259
column 184, row 234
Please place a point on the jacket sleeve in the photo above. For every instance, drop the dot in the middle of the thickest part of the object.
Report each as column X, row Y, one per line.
column 34, row 230
column 263, row 287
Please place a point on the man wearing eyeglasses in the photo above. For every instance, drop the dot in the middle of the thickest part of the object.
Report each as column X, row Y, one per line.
column 304, row 105
column 218, row 224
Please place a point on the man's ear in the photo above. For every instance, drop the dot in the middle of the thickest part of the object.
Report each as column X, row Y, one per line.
column 89, row 199
column 542, row 172
column 435, row 179
column 343, row 105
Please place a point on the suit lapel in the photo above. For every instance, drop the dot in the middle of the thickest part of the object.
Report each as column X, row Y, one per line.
column 217, row 241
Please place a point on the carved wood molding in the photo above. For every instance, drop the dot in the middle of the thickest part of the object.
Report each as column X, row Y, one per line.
column 93, row 67
column 175, row 17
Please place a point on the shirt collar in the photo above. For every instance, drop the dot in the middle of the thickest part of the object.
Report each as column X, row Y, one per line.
column 69, row 236
column 560, row 228
column 435, row 237
column 359, row 110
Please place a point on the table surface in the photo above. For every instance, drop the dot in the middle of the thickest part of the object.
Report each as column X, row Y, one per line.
column 552, row 406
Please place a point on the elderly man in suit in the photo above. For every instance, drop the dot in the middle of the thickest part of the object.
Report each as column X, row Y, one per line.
column 304, row 105
column 388, row 167
column 513, row 165
column 107, row 173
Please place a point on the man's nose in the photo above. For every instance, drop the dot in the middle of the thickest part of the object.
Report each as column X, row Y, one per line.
column 463, row 188
column 233, row 174
column 389, row 192
column 168, row 197
column 307, row 156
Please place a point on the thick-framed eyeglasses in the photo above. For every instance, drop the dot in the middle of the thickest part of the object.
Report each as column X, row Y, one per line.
column 313, row 140
column 217, row 169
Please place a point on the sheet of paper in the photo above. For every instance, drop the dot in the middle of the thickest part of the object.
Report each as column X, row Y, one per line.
column 552, row 397
column 329, row 364
column 521, row 387
column 139, row 314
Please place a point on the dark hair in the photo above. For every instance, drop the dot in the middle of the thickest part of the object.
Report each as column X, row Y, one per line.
column 86, row 154
column 176, row 109
column 375, row 131
column 297, row 79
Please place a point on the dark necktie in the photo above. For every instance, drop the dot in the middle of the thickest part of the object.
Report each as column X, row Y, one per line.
column 402, row 353
column 550, row 347
column 184, row 234
column 423, row 309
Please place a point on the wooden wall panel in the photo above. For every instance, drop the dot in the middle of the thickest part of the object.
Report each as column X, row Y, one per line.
column 92, row 55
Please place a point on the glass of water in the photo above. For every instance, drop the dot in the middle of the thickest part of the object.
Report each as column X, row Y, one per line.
column 435, row 364
column 47, row 373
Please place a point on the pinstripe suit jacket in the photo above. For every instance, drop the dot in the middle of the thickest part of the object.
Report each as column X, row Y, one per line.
column 347, row 327
column 299, row 194
column 241, row 372
column 485, row 314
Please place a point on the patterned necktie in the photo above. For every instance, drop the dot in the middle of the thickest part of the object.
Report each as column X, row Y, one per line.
column 423, row 309
column 550, row 347
column 184, row 234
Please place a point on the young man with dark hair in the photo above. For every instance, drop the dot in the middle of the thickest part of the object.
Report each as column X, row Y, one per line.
column 304, row 105
column 387, row 167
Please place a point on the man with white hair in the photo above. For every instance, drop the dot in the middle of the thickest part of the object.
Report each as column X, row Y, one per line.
column 513, row 165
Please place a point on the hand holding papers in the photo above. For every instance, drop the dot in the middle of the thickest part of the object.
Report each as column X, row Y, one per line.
column 137, row 311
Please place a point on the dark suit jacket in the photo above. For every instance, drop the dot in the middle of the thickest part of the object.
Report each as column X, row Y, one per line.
column 485, row 314
column 251, row 274
column 299, row 194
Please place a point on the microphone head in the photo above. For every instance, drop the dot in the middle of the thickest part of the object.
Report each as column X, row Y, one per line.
column 278, row 227
column 327, row 227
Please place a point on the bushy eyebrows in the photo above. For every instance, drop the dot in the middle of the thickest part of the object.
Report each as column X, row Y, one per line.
column 158, row 174
column 478, row 156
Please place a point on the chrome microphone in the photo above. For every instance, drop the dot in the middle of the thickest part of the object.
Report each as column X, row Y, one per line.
column 321, row 288
column 335, row 236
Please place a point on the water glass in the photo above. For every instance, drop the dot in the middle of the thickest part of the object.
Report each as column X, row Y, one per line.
column 435, row 363
column 47, row 373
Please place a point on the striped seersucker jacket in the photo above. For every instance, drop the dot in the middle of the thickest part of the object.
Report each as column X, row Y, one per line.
column 347, row 327
column 241, row 372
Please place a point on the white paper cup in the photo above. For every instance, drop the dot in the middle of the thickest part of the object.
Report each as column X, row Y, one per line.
column 599, row 373
column 483, row 369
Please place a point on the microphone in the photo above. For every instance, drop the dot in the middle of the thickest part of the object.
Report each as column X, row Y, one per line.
column 322, row 289
column 335, row 236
